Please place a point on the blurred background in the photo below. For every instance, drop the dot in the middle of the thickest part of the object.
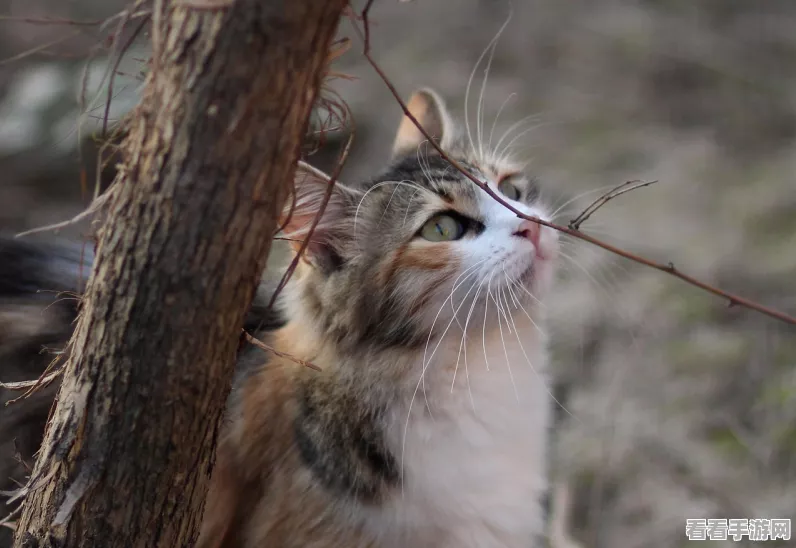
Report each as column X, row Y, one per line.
column 677, row 406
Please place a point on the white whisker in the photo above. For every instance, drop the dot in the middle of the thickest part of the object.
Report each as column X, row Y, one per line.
column 472, row 271
column 516, row 125
column 538, row 374
column 486, row 307
column 519, row 304
column 387, row 207
column 497, row 117
column 531, row 295
column 507, row 148
column 505, row 350
column 381, row 184
column 489, row 47
column 463, row 346
column 409, row 205
column 480, row 107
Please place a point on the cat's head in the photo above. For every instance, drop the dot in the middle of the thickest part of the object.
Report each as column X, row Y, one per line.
column 397, row 258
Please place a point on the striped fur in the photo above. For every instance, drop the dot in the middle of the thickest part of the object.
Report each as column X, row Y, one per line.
column 387, row 447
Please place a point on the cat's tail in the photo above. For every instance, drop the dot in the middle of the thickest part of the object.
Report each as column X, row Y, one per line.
column 41, row 284
column 40, row 287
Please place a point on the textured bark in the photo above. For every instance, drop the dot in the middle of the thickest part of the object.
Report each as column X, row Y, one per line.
column 127, row 457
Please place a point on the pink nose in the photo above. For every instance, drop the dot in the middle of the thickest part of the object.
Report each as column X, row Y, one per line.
column 529, row 230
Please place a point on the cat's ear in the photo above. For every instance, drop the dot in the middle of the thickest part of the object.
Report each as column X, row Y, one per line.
column 311, row 187
column 429, row 109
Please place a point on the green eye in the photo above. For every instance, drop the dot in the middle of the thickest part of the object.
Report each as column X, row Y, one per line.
column 442, row 228
column 509, row 189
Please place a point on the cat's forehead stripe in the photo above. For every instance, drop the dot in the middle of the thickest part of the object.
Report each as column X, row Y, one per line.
column 436, row 174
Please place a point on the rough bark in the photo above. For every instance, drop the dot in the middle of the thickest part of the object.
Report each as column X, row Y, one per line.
column 127, row 457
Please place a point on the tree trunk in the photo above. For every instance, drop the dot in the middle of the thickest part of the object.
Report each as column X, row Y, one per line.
column 127, row 457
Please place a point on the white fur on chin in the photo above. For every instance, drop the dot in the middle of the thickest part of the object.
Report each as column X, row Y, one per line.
column 475, row 466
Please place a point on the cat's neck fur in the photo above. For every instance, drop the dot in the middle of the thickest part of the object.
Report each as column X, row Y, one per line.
column 472, row 433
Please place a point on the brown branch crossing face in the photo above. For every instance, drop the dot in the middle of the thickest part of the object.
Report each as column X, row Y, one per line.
column 575, row 232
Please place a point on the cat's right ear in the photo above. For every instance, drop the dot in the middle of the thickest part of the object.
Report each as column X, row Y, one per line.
column 307, row 203
column 430, row 111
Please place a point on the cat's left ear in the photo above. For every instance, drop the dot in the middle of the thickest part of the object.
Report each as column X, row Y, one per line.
column 429, row 109
column 310, row 189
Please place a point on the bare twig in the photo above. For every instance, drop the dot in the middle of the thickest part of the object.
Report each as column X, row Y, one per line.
column 575, row 223
column 44, row 380
column 669, row 268
column 51, row 21
column 124, row 17
column 204, row 4
column 366, row 24
column 39, row 48
column 262, row 346
column 326, row 197
column 93, row 207
column 8, row 521
column 117, row 62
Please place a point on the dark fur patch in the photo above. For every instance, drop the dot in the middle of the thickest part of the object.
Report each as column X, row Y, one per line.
column 27, row 269
column 341, row 442
column 426, row 171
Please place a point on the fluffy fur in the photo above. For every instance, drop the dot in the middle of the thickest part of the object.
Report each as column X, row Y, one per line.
column 427, row 426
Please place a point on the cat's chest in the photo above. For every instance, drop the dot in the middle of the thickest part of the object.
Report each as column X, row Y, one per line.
column 474, row 464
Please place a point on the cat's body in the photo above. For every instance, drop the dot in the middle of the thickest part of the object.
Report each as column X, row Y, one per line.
column 427, row 427
column 473, row 475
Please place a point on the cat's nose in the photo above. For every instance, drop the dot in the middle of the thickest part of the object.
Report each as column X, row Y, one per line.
column 530, row 231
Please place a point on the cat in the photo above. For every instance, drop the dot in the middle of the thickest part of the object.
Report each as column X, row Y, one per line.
column 420, row 299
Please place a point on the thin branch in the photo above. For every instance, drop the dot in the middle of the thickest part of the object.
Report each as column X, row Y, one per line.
column 366, row 24
column 125, row 17
column 9, row 520
column 114, row 70
column 204, row 4
column 51, row 21
column 44, row 380
column 575, row 223
column 326, row 197
column 92, row 208
column 39, row 48
column 669, row 268
column 262, row 346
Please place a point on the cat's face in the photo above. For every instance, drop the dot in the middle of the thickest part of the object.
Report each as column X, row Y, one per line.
column 400, row 257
